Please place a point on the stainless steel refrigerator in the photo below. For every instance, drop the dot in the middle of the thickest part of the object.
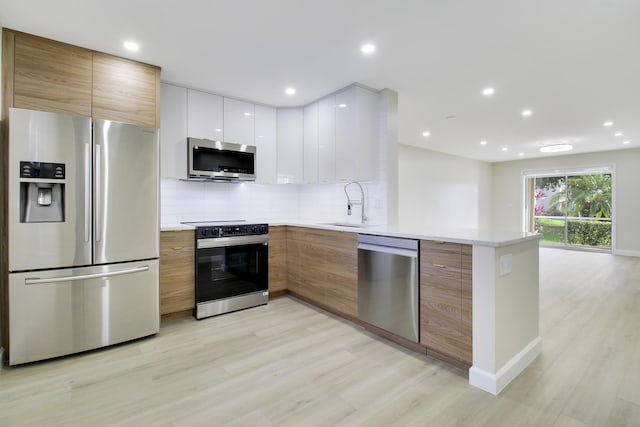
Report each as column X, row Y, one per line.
column 83, row 234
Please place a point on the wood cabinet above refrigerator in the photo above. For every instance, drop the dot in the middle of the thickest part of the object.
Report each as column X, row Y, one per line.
column 47, row 75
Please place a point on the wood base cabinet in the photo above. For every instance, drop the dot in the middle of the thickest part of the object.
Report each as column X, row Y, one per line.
column 177, row 271
column 445, row 301
column 322, row 267
column 277, row 260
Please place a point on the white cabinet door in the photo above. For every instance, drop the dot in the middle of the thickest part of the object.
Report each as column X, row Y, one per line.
column 327, row 140
column 346, row 146
column 290, row 145
column 204, row 115
column 266, row 154
column 310, row 152
column 238, row 121
column 173, row 133
column 356, row 134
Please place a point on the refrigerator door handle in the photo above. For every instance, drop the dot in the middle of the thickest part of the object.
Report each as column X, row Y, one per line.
column 87, row 199
column 97, row 194
column 38, row 281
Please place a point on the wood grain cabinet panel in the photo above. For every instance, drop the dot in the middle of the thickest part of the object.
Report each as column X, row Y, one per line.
column 323, row 268
column 277, row 259
column 445, row 300
column 51, row 76
column 125, row 91
column 177, row 271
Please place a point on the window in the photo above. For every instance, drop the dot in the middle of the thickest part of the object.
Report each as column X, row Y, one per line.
column 572, row 209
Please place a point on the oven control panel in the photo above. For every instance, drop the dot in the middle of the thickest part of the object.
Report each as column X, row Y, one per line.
column 214, row 231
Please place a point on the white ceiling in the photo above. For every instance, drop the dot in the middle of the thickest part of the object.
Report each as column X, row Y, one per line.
column 574, row 63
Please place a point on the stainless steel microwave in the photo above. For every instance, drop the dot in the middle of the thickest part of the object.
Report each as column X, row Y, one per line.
column 220, row 160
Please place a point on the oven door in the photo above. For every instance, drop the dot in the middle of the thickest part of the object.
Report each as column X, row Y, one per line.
column 231, row 267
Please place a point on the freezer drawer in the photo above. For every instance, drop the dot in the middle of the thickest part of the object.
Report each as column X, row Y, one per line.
column 57, row 312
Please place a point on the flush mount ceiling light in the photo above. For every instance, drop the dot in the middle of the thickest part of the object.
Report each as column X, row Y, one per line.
column 426, row 133
column 483, row 142
column 607, row 124
column 520, row 154
column 131, row 46
column 290, row 91
column 488, row 91
column 556, row 148
column 368, row 48
column 617, row 134
column 526, row 113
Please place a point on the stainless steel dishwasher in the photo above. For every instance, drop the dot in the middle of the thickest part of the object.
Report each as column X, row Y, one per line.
column 388, row 284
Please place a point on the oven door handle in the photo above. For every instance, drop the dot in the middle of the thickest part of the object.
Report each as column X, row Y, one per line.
column 222, row 242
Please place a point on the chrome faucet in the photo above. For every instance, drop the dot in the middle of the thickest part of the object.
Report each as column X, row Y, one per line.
column 351, row 202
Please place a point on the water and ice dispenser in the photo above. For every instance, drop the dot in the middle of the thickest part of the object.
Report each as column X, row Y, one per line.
column 42, row 192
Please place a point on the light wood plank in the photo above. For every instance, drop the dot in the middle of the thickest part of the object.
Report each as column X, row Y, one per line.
column 277, row 259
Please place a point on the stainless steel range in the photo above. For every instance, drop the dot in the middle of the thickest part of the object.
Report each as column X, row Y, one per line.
column 231, row 271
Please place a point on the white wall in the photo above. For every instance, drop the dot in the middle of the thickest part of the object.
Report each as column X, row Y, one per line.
column 441, row 188
column 508, row 195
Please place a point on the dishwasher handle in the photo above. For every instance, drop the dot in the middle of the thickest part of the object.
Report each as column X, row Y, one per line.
column 389, row 250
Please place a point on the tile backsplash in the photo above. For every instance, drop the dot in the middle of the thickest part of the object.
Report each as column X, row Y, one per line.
column 204, row 201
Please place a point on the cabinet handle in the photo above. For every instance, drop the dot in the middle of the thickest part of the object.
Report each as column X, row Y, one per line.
column 178, row 248
column 440, row 265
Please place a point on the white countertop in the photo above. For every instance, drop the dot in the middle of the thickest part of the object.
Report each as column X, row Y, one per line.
column 493, row 238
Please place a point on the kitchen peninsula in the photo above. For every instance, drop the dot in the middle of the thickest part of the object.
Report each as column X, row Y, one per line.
column 503, row 273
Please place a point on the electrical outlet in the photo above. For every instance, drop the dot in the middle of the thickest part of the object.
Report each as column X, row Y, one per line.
column 505, row 264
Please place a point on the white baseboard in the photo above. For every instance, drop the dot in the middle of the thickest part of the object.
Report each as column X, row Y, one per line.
column 627, row 253
column 495, row 383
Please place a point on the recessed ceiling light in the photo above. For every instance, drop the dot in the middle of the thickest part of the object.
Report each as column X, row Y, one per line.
column 488, row 91
column 342, row 105
column 626, row 142
column 260, row 136
column 526, row 113
column 290, row 91
column 247, row 114
column 607, row 124
column 556, row 148
column 483, row 142
column 368, row 48
column 218, row 130
column 426, row 133
column 617, row 134
column 520, row 154
column 504, row 149
column 132, row 46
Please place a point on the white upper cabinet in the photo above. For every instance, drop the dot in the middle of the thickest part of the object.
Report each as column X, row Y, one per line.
column 266, row 154
column 310, row 152
column 239, row 121
column 204, row 118
column 327, row 139
column 173, row 133
column 356, row 134
column 290, row 145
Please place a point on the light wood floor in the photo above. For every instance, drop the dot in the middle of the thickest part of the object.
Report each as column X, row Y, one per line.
column 289, row 364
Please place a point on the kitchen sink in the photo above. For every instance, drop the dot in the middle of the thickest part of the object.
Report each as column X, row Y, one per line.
column 345, row 224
